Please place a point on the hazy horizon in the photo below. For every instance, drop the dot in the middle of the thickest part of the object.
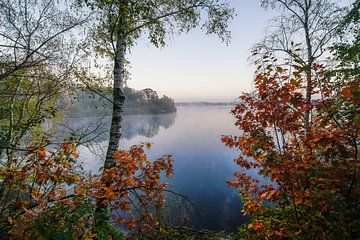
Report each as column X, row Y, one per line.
column 196, row 67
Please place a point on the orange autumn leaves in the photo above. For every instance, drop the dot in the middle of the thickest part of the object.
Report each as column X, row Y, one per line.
column 311, row 185
column 134, row 178
column 41, row 185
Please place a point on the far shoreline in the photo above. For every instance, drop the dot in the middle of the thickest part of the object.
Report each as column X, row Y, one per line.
column 204, row 103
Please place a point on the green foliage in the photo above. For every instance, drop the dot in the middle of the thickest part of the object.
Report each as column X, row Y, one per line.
column 157, row 19
column 181, row 233
column 67, row 221
column 36, row 62
column 145, row 101
column 347, row 52
column 26, row 102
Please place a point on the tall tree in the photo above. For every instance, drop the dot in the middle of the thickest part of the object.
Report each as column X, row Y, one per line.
column 37, row 59
column 121, row 23
column 302, row 34
column 32, row 34
column 312, row 176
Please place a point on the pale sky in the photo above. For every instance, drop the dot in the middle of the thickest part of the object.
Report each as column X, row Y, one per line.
column 196, row 67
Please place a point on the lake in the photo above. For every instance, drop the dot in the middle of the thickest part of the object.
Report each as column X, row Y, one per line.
column 202, row 164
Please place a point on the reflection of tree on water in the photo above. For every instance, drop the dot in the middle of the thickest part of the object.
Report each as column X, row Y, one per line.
column 146, row 125
column 96, row 129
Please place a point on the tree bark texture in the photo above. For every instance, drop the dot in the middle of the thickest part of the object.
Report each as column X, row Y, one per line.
column 119, row 97
column 310, row 61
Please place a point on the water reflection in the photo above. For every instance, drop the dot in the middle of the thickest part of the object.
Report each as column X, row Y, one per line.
column 202, row 163
column 146, row 125
column 96, row 129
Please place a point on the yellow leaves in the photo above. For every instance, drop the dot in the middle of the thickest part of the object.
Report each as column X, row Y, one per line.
column 121, row 220
column 78, row 191
column 62, row 193
column 280, row 70
column 110, row 195
column 41, row 153
column 131, row 223
column 68, row 166
column 251, row 205
column 131, row 182
column 267, row 195
column 88, row 236
column 261, row 158
column 298, row 201
column 169, row 173
column 257, row 226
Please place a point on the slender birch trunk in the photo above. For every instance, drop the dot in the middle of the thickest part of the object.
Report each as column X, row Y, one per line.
column 310, row 61
column 102, row 214
column 119, row 97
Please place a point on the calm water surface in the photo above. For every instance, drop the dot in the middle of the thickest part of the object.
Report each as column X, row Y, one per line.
column 202, row 163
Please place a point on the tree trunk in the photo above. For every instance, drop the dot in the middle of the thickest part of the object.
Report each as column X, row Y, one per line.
column 310, row 61
column 102, row 214
column 308, row 89
column 119, row 97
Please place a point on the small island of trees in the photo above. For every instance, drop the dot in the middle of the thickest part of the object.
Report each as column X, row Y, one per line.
column 145, row 101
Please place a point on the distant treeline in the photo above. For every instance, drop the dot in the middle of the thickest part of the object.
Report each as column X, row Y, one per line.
column 95, row 103
column 205, row 103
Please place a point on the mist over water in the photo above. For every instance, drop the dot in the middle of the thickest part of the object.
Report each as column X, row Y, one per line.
column 202, row 164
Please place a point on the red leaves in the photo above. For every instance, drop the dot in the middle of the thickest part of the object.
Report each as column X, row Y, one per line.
column 131, row 223
column 267, row 195
column 51, row 178
column 311, row 172
column 121, row 220
column 346, row 93
column 134, row 176
column 41, row 153
column 257, row 226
